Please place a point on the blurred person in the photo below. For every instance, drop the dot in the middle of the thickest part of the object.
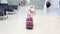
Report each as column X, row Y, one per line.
column 48, row 4
column 31, row 11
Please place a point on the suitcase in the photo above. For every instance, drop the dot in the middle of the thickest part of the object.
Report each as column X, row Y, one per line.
column 29, row 23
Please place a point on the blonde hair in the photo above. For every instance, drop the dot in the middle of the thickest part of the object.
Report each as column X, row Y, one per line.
column 32, row 8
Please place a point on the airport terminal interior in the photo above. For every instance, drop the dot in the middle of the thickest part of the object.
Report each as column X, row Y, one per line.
column 29, row 16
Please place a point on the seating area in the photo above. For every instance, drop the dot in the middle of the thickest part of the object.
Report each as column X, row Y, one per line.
column 4, row 8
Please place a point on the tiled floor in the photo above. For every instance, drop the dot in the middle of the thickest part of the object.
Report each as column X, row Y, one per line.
column 43, row 24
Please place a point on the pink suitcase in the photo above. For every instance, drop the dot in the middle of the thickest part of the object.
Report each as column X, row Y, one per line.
column 29, row 23
column 29, row 19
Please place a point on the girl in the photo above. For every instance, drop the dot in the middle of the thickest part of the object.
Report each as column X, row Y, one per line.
column 31, row 11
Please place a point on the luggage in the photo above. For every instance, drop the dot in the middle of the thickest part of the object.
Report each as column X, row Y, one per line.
column 29, row 23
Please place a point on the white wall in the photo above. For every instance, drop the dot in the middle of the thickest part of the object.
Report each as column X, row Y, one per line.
column 55, row 3
column 13, row 2
column 38, row 3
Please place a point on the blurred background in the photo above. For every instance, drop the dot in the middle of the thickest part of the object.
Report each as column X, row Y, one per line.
column 13, row 14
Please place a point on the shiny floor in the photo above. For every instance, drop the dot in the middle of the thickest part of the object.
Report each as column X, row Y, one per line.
column 43, row 24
